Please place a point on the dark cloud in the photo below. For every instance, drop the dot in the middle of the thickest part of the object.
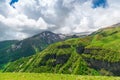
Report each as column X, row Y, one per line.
column 5, row 32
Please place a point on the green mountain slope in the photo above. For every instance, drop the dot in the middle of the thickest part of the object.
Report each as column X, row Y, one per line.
column 97, row 54
column 4, row 46
column 107, row 38
column 61, row 57
column 27, row 47
column 10, row 52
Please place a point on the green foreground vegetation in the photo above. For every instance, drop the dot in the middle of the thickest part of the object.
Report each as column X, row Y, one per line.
column 43, row 76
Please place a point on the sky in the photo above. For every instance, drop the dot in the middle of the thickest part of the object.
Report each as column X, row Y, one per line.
column 20, row 19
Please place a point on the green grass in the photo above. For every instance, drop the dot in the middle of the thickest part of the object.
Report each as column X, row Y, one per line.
column 108, row 38
column 43, row 76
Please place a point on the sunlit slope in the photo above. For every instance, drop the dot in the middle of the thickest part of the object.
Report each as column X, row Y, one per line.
column 61, row 57
column 108, row 38
column 97, row 54
column 14, row 50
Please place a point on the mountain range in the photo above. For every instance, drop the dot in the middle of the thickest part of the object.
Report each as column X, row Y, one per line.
column 12, row 50
column 47, row 52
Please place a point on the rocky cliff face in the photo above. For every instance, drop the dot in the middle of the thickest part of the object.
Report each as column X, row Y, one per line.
column 99, row 59
column 111, row 68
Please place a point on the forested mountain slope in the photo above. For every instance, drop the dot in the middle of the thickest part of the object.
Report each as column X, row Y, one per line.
column 97, row 54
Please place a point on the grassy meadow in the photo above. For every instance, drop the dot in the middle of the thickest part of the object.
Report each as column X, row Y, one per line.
column 44, row 76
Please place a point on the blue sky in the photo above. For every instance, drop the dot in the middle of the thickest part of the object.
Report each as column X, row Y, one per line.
column 96, row 3
column 99, row 3
column 13, row 1
column 29, row 17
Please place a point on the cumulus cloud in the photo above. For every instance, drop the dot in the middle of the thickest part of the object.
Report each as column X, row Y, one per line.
column 16, row 25
column 21, row 24
column 29, row 17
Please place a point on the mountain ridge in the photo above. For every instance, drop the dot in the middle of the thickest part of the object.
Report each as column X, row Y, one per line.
column 29, row 46
column 96, row 54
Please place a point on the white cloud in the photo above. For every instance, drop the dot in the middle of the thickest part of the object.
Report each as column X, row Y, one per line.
column 62, row 16
column 20, row 21
column 84, row 18
column 16, row 25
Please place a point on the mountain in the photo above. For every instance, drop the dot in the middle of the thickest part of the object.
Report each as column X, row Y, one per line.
column 96, row 54
column 4, row 46
column 13, row 50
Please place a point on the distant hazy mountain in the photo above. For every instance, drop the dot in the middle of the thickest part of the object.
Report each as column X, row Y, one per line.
column 97, row 54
